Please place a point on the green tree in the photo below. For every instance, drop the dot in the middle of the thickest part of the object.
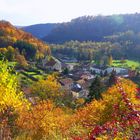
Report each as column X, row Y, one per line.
column 112, row 78
column 110, row 60
column 105, row 73
column 66, row 71
column 101, row 74
column 95, row 90
column 26, row 48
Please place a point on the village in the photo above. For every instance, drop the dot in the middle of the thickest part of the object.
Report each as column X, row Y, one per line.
column 76, row 77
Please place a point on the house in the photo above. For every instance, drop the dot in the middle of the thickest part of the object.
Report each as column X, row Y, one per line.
column 98, row 70
column 54, row 64
column 68, row 66
column 67, row 83
column 132, row 73
column 118, row 70
column 85, row 83
column 75, row 94
column 83, row 93
column 76, row 87
column 87, row 76
column 66, row 59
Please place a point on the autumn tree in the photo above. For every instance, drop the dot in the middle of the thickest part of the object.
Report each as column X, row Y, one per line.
column 47, row 89
column 116, row 116
column 110, row 60
column 3, row 52
column 12, row 101
column 45, row 120
column 21, row 60
column 10, row 55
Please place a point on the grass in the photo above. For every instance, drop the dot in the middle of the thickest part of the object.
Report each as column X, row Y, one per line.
column 39, row 76
column 12, row 64
column 126, row 64
column 24, row 80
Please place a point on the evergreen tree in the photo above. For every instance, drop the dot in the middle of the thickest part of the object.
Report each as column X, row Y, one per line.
column 93, row 72
column 101, row 73
column 66, row 71
column 112, row 78
column 105, row 73
column 95, row 89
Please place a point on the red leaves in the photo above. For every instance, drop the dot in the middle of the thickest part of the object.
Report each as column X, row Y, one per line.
column 95, row 132
column 127, row 118
column 138, row 93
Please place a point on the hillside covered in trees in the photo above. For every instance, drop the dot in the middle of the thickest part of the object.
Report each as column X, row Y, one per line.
column 93, row 28
column 121, row 46
column 40, row 30
column 18, row 45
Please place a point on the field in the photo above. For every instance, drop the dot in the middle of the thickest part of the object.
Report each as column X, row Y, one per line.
column 126, row 64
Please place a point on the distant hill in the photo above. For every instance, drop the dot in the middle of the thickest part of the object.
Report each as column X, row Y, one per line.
column 21, row 42
column 40, row 30
column 93, row 28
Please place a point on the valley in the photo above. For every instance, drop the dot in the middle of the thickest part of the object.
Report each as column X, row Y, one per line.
column 78, row 80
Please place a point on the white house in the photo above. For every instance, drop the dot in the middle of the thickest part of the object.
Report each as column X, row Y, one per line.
column 118, row 70
column 109, row 70
column 97, row 70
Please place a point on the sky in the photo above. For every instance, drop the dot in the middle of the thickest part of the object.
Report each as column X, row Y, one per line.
column 28, row 12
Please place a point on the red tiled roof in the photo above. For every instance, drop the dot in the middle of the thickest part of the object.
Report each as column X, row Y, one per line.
column 66, row 81
column 52, row 62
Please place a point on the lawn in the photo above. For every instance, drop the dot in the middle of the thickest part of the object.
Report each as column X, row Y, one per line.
column 12, row 64
column 126, row 64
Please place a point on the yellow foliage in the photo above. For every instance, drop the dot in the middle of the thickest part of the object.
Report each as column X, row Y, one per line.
column 99, row 112
column 51, row 122
column 48, row 121
column 9, row 95
column 47, row 89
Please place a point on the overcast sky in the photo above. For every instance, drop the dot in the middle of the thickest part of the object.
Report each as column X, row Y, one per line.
column 27, row 12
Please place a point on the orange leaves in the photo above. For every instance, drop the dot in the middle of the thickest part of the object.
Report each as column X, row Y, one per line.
column 21, row 60
column 45, row 119
column 10, row 35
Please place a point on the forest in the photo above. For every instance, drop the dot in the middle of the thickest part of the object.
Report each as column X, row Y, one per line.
column 17, row 45
column 93, row 28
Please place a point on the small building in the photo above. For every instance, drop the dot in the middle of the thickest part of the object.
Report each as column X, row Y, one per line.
column 67, row 83
column 87, row 76
column 76, row 87
column 54, row 64
column 98, row 70
column 83, row 93
column 118, row 70
column 132, row 73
